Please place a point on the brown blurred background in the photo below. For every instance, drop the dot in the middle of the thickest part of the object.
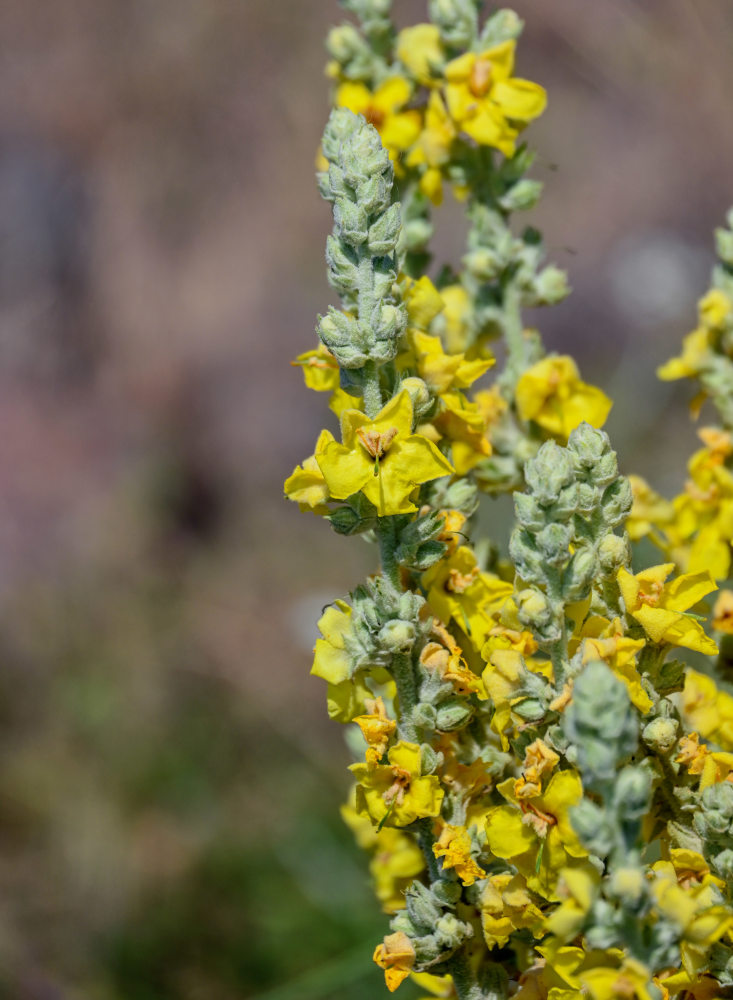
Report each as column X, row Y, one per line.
column 169, row 780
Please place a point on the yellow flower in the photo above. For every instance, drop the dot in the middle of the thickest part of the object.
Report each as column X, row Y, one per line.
column 696, row 909
column 632, row 979
column 722, row 620
column 538, row 837
column 552, row 394
column 396, row 861
column 382, row 458
column 396, row 857
column 458, row 590
column 439, row 986
column 396, row 956
column 694, row 352
column 447, row 658
column 454, row 321
column 332, row 660
column 306, row 484
column 715, row 310
column 507, row 906
column 463, row 424
column 431, row 151
column 443, row 371
column 382, row 108
column 423, row 302
column 376, row 728
column 320, row 369
column 708, row 710
column 396, row 793
column 454, row 847
column 419, row 49
column 604, row 640
column 502, row 679
column 486, row 102
column 539, row 759
column 579, row 887
column 661, row 607
column 649, row 512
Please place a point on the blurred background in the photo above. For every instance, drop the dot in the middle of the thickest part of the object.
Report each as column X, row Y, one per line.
column 169, row 786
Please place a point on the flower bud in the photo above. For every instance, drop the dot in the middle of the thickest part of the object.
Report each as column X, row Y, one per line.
column 613, row 553
column 424, row 715
column 660, row 734
column 351, row 221
column 344, row 42
column 384, row 233
column 419, row 394
column 453, row 714
column 397, row 636
column 551, row 286
column 429, row 759
column 521, row 196
column 632, row 791
column 445, row 892
column 421, row 907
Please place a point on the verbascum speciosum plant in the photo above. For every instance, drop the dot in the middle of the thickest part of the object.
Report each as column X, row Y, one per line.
column 542, row 788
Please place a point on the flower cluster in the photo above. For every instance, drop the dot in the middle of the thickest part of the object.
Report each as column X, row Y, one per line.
column 545, row 792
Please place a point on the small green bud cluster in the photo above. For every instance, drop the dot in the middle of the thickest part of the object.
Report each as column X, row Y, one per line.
column 713, row 822
column 430, row 923
column 384, row 622
column 457, row 21
column 724, row 241
column 360, row 253
column 565, row 542
column 495, row 255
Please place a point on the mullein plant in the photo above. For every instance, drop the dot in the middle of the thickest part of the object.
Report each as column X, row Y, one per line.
column 543, row 788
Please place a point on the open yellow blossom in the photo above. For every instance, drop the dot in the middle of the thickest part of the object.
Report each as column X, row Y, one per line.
column 396, row 861
column 382, row 458
column 697, row 910
column 320, row 369
column 578, row 888
column 376, row 728
column 537, row 836
column 458, row 590
column 715, row 309
column 396, row 956
column 306, row 485
column 604, row 640
column 384, row 109
column 431, row 151
column 552, row 394
column 454, row 324
column 420, row 50
column 631, row 980
column 443, row 371
column 722, row 620
column 396, row 858
column 707, row 709
column 423, row 302
column 462, row 423
column 506, row 906
column 502, row 679
column 539, row 759
column 446, row 657
column 650, row 511
column 397, row 793
column 332, row 661
column 454, row 847
column 438, row 986
column 486, row 102
column 661, row 607
column 712, row 766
